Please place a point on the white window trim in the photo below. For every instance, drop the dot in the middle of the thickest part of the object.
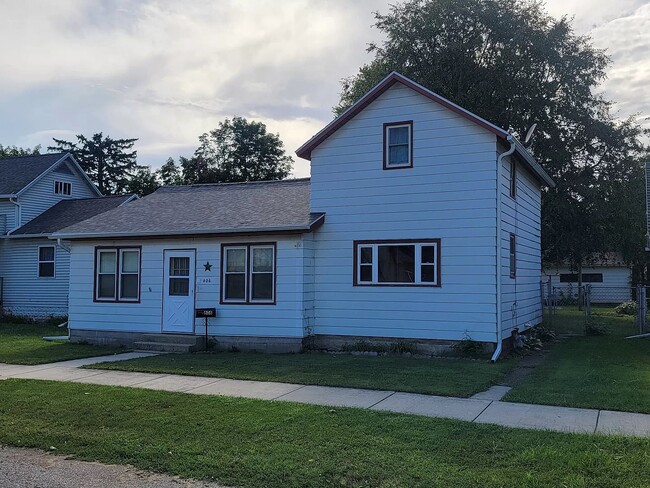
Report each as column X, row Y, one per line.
column 62, row 185
column 118, row 251
column 252, row 272
column 39, row 262
column 387, row 130
column 418, row 264
column 120, row 273
column 225, row 273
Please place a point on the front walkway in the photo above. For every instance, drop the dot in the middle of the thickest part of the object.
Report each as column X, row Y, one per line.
column 484, row 407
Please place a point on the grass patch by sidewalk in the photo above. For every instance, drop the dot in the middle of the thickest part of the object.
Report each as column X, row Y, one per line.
column 253, row 443
column 24, row 344
column 603, row 372
column 438, row 376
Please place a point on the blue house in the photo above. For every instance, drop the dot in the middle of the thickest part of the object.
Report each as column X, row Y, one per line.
column 421, row 222
column 40, row 195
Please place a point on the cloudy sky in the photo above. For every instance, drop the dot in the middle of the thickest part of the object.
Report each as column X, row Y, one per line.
column 167, row 71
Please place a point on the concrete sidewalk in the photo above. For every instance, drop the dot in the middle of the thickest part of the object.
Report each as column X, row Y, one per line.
column 484, row 407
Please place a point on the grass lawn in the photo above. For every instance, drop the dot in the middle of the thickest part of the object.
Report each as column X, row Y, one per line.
column 253, row 443
column 450, row 377
column 24, row 344
column 607, row 372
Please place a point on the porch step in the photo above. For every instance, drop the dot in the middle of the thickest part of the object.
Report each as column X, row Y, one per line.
column 170, row 343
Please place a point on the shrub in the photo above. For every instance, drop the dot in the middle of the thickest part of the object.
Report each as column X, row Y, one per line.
column 596, row 329
column 627, row 308
column 467, row 347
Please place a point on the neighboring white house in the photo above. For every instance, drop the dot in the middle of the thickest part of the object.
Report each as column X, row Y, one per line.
column 39, row 195
column 608, row 276
column 421, row 222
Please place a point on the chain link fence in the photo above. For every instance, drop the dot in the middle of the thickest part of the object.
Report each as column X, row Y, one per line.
column 589, row 309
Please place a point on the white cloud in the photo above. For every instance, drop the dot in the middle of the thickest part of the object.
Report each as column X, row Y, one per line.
column 166, row 71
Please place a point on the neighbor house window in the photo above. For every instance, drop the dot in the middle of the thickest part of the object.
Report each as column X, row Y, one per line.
column 117, row 274
column 398, row 145
column 46, row 256
column 397, row 263
column 513, row 178
column 586, row 277
column 62, row 188
column 248, row 273
column 513, row 256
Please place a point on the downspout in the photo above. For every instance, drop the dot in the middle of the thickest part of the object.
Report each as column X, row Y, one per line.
column 497, row 351
column 59, row 243
column 18, row 214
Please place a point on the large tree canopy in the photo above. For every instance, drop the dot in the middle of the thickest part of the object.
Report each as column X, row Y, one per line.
column 237, row 150
column 110, row 163
column 513, row 64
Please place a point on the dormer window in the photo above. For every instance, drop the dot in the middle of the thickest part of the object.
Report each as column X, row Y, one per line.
column 398, row 145
column 62, row 188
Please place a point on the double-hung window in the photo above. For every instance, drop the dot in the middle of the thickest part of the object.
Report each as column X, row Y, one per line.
column 513, row 179
column 62, row 188
column 397, row 263
column 248, row 273
column 398, row 145
column 46, row 258
column 117, row 274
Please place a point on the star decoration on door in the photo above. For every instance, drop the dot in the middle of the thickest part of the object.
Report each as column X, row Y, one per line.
column 207, row 266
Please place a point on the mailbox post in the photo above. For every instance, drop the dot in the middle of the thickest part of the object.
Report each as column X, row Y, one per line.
column 205, row 313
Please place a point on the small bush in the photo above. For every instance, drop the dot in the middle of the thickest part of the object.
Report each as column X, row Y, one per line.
column 364, row 346
column 10, row 318
column 627, row 308
column 596, row 329
column 467, row 347
column 402, row 347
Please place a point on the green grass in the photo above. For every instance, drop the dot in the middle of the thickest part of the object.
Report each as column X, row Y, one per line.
column 253, row 443
column 450, row 377
column 605, row 372
column 24, row 344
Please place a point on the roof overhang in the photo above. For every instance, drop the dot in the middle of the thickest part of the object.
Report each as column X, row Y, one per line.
column 315, row 222
column 532, row 164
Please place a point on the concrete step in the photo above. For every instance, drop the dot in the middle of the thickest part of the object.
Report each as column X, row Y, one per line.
column 173, row 339
column 166, row 347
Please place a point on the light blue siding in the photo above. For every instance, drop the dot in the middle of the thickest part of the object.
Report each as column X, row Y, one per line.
column 521, row 296
column 7, row 216
column 24, row 292
column 450, row 194
column 285, row 319
column 40, row 196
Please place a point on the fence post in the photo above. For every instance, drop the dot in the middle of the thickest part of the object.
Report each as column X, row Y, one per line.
column 641, row 307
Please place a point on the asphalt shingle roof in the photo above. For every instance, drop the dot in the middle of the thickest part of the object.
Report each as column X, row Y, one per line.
column 69, row 212
column 204, row 209
column 17, row 173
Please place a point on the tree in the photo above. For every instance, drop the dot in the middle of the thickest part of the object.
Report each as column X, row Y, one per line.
column 237, row 150
column 143, row 181
column 15, row 151
column 169, row 174
column 109, row 163
column 513, row 64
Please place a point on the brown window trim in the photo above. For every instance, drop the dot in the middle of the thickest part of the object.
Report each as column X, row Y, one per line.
column 355, row 262
column 512, row 256
column 385, row 158
column 248, row 246
column 513, row 178
column 117, row 298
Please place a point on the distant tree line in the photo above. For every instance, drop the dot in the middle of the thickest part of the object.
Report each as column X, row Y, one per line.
column 237, row 150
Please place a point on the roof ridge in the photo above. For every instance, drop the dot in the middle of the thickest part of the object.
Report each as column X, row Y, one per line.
column 235, row 183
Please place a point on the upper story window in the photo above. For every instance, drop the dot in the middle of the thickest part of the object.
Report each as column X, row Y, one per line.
column 398, row 145
column 397, row 263
column 62, row 188
column 248, row 274
column 46, row 257
column 513, row 178
column 117, row 274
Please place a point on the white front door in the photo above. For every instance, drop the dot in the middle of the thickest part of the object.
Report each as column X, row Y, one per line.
column 178, row 292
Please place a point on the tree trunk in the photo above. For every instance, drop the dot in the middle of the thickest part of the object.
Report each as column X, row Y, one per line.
column 581, row 295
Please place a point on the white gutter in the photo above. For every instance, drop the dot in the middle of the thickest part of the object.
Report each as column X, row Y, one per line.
column 497, row 351
column 163, row 233
column 18, row 214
